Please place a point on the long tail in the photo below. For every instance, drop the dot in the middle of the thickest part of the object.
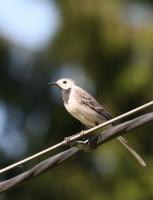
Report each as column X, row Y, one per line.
column 131, row 150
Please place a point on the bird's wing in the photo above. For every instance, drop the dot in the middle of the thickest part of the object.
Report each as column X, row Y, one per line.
column 89, row 101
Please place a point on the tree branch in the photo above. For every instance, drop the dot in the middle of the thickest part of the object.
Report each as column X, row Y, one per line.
column 53, row 161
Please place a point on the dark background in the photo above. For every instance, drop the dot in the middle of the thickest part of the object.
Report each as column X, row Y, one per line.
column 107, row 48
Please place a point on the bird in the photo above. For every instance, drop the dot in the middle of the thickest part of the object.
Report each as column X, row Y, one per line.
column 85, row 108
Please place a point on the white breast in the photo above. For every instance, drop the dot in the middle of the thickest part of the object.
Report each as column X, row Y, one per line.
column 80, row 111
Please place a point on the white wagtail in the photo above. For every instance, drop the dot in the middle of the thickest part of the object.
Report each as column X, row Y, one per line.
column 81, row 105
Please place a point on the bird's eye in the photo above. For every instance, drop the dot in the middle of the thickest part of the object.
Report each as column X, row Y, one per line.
column 64, row 82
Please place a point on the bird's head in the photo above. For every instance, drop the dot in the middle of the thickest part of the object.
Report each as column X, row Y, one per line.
column 64, row 83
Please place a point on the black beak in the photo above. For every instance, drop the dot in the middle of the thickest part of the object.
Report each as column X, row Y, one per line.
column 53, row 83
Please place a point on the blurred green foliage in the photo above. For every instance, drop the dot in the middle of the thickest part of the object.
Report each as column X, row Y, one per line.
column 114, row 49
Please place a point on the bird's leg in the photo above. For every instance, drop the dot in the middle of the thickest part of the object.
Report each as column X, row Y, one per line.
column 88, row 144
column 84, row 144
column 69, row 139
column 81, row 144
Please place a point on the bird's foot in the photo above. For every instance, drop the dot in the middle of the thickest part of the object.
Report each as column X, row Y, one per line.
column 86, row 145
column 71, row 140
column 83, row 144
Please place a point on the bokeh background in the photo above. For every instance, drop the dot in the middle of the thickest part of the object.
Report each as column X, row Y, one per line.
column 106, row 47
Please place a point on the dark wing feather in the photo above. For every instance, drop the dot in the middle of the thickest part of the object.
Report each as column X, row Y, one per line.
column 94, row 105
column 89, row 101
